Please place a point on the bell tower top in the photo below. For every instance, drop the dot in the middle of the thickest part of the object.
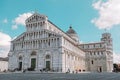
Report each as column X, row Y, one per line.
column 106, row 37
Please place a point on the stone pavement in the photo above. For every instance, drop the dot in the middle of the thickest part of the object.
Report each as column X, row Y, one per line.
column 59, row 76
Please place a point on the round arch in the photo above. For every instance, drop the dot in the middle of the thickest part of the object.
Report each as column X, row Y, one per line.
column 33, row 53
column 47, row 56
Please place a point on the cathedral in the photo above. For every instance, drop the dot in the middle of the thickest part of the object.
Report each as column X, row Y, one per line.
column 44, row 46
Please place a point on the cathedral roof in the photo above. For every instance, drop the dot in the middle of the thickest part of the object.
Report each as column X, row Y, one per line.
column 71, row 31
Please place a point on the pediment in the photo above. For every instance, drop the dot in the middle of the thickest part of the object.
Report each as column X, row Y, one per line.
column 36, row 17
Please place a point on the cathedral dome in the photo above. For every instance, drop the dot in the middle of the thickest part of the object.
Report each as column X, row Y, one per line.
column 71, row 31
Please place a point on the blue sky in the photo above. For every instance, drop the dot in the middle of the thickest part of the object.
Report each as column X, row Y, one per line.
column 81, row 14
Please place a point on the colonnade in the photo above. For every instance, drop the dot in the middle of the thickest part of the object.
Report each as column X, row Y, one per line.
column 38, row 35
column 36, row 26
column 35, row 44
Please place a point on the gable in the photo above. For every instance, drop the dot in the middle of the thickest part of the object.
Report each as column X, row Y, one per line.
column 36, row 17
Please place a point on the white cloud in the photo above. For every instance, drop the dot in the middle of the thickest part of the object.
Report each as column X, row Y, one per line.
column 5, row 21
column 116, row 58
column 109, row 13
column 4, row 44
column 20, row 20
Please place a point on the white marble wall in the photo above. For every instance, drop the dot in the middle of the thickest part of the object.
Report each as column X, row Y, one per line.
column 3, row 66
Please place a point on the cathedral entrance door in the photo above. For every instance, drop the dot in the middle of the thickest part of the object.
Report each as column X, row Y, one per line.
column 33, row 63
column 48, row 65
column 20, row 66
column 100, row 69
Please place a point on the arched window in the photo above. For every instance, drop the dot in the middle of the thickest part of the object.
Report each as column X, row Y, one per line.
column 20, row 57
column 47, row 56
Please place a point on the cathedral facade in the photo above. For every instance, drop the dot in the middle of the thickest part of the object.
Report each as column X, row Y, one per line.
column 45, row 46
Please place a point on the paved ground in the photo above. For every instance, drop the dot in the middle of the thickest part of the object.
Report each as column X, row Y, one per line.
column 59, row 76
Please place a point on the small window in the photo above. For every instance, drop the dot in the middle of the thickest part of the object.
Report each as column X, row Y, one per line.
column 92, row 62
column 49, row 35
column 49, row 42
